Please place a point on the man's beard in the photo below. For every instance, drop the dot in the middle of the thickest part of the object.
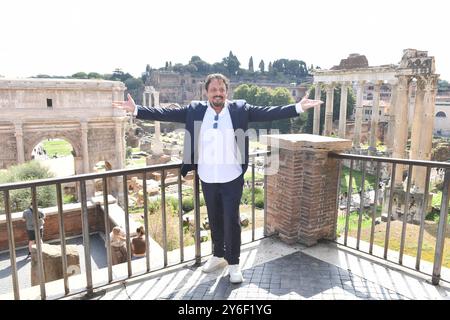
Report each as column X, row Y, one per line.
column 218, row 104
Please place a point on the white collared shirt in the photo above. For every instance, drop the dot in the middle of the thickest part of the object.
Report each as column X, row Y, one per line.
column 218, row 155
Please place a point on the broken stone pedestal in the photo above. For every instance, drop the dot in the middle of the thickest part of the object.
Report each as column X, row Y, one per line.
column 52, row 261
column 398, row 205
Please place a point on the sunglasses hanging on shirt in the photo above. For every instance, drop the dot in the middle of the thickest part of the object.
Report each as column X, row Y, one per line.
column 216, row 124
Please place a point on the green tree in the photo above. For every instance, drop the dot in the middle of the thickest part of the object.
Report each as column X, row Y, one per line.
column 261, row 96
column 242, row 92
column 20, row 199
column 281, row 97
column 250, row 64
column 261, row 66
column 135, row 87
column 119, row 75
column 231, row 63
column 219, row 67
column 202, row 66
column 443, row 86
column 80, row 75
column 94, row 75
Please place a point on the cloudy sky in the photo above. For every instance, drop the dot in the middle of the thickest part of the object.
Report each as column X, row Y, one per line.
column 64, row 37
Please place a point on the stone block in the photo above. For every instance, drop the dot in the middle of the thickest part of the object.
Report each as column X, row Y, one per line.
column 52, row 261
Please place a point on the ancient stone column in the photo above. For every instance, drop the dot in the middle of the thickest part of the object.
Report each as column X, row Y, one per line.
column 328, row 126
column 120, row 142
column 19, row 141
column 90, row 188
column 84, row 146
column 417, row 119
column 375, row 118
column 389, row 141
column 116, row 183
column 157, row 147
column 144, row 99
column 302, row 195
column 358, row 114
column 316, row 119
column 343, row 110
column 422, row 130
column 428, row 117
column 401, row 125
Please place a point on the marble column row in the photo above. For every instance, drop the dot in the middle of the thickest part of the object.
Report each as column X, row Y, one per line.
column 328, row 125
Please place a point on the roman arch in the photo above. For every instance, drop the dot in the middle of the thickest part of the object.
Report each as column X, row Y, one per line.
column 415, row 66
column 79, row 111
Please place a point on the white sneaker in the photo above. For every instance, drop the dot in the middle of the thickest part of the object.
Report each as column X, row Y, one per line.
column 213, row 264
column 235, row 273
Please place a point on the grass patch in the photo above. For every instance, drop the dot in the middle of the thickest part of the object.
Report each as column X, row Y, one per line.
column 411, row 237
column 136, row 163
column 59, row 147
column 369, row 182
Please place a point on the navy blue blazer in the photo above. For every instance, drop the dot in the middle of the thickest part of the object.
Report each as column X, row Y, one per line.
column 192, row 115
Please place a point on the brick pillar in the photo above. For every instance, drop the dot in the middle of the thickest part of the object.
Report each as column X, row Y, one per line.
column 301, row 196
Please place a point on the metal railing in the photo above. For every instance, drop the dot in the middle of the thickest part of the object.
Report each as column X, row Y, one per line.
column 376, row 163
column 104, row 176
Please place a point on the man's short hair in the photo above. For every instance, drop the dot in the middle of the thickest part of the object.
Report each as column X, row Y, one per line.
column 217, row 76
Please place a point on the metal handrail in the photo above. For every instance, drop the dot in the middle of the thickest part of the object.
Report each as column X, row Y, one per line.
column 443, row 215
column 124, row 174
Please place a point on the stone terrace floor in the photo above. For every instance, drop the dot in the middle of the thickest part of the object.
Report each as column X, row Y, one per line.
column 276, row 271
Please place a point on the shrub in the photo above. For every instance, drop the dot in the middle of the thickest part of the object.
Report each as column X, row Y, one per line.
column 259, row 201
column 173, row 203
column 21, row 199
column 154, row 206
column 247, row 196
column 188, row 203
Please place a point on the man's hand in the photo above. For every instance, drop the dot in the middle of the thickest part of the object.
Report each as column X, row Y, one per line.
column 128, row 106
column 306, row 103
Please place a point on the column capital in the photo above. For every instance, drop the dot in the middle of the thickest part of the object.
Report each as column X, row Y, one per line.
column 361, row 83
column 421, row 83
column 330, row 86
column 431, row 82
column 403, row 82
column 84, row 125
column 17, row 123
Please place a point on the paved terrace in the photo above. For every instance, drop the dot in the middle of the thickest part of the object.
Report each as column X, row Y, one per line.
column 274, row 270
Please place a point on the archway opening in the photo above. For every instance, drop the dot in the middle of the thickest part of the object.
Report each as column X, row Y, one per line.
column 58, row 155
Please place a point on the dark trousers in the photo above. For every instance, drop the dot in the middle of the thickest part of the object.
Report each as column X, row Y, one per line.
column 222, row 202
